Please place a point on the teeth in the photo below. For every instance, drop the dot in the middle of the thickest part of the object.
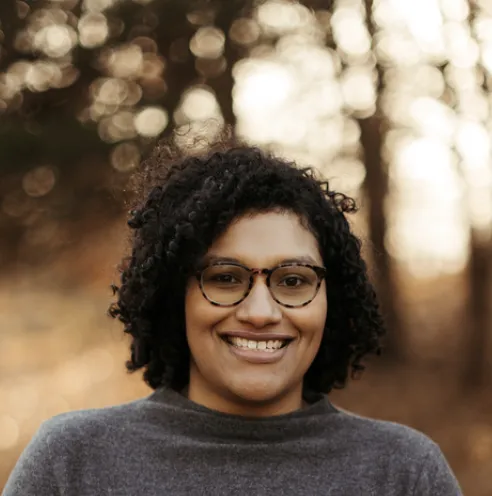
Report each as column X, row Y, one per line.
column 250, row 344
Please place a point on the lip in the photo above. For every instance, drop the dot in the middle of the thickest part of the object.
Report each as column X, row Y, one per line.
column 257, row 356
column 257, row 336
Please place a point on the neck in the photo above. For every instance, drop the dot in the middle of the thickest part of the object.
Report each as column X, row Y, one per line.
column 197, row 422
column 243, row 407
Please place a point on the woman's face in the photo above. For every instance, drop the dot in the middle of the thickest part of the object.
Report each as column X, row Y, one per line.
column 257, row 382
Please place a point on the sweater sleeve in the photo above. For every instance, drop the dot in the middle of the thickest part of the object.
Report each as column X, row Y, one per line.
column 436, row 477
column 33, row 473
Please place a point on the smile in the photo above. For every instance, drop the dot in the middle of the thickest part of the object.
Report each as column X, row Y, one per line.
column 250, row 344
column 256, row 351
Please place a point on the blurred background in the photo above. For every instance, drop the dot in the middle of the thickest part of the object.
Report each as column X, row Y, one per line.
column 389, row 98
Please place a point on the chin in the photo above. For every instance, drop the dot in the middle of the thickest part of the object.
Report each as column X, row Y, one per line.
column 259, row 392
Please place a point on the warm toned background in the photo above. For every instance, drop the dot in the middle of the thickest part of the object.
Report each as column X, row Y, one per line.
column 390, row 98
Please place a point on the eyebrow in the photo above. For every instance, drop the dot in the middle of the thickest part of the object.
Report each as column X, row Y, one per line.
column 303, row 259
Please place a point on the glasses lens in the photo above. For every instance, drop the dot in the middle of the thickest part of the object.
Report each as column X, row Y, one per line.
column 294, row 285
column 225, row 284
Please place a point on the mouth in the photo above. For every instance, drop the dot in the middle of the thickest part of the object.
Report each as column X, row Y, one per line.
column 254, row 345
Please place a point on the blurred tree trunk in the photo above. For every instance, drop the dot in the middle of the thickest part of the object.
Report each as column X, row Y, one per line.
column 223, row 85
column 173, row 39
column 376, row 189
column 478, row 338
column 182, row 73
column 480, row 306
column 10, row 23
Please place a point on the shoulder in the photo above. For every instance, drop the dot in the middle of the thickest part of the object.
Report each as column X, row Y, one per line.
column 73, row 441
column 86, row 426
column 383, row 437
column 398, row 452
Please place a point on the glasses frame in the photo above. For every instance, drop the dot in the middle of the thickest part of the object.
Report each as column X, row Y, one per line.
column 320, row 273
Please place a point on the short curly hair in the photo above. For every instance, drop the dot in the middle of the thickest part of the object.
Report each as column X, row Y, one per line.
column 185, row 205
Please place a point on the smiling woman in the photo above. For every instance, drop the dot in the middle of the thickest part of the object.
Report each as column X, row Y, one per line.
column 277, row 320
column 247, row 302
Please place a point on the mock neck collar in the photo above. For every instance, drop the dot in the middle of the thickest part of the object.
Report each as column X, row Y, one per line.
column 197, row 421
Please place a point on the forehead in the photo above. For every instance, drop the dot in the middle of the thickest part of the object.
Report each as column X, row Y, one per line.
column 266, row 238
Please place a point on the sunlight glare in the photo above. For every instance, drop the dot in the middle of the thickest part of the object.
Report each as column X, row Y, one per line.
column 397, row 49
column 429, row 241
column 483, row 28
column 280, row 16
column 350, row 32
column 358, row 88
column 421, row 19
column 461, row 49
column 473, row 143
column 486, row 57
column 151, row 121
column 427, row 224
column 433, row 118
column 313, row 62
column 55, row 40
column 455, row 10
column 427, row 160
column 345, row 174
column 261, row 86
column 199, row 104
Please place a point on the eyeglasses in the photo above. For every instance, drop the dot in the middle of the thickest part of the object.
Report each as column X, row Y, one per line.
column 292, row 285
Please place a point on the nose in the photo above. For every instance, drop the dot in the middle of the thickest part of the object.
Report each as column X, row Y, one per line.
column 259, row 308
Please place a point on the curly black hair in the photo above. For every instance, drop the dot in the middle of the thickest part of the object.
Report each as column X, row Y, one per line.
column 185, row 205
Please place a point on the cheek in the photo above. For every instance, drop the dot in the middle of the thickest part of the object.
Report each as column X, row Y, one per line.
column 200, row 315
column 195, row 310
column 310, row 320
column 321, row 304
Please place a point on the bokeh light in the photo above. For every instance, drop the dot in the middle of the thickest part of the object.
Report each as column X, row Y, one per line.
column 151, row 121
column 93, row 29
column 280, row 17
column 98, row 5
column 125, row 61
column 125, row 157
column 244, row 31
column 350, row 32
column 199, row 104
column 39, row 181
column 261, row 86
column 208, row 42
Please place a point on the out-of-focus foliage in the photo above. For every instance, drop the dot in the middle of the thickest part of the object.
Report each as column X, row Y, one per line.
column 104, row 78
column 390, row 98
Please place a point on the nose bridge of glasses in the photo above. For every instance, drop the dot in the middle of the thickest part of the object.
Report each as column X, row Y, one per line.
column 266, row 273
column 259, row 291
column 260, row 272
column 263, row 289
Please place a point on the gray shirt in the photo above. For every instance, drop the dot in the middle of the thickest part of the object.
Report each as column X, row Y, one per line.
column 167, row 445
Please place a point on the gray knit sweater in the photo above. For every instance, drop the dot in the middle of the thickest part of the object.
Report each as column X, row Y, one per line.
column 167, row 445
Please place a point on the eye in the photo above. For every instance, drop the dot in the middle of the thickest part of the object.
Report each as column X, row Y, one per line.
column 225, row 279
column 225, row 276
column 292, row 281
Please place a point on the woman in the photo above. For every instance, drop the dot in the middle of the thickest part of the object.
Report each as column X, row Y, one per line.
column 247, row 301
